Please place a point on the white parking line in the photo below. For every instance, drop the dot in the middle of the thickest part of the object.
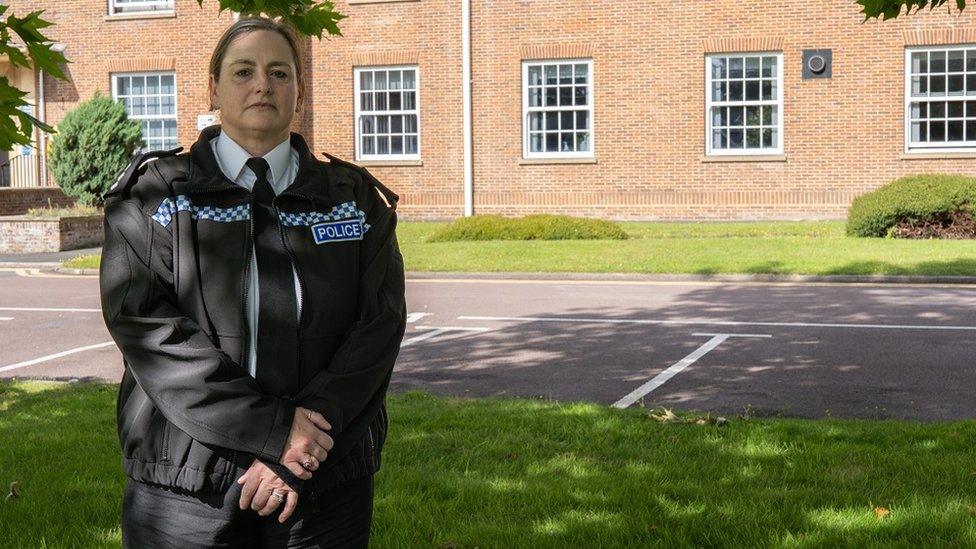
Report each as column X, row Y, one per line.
column 667, row 374
column 55, row 355
column 50, row 310
column 414, row 317
column 438, row 330
column 6, row 318
column 706, row 322
column 422, row 337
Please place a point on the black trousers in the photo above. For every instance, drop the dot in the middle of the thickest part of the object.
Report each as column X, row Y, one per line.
column 159, row 517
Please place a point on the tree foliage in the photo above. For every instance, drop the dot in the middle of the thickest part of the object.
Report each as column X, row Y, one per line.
column 890, row 9
column 93, row 145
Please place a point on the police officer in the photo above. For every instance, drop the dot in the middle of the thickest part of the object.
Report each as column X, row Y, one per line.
column 257, row 296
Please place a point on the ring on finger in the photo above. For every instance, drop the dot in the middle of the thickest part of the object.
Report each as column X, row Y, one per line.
column 308, row 414
column 278, row 495
column 308, row 462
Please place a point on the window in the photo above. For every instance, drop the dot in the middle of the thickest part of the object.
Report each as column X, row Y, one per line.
column 387, row 113
column 150, row 98
column 557, row 109
column 118, row 7
column 744, row 103
column 940, row 99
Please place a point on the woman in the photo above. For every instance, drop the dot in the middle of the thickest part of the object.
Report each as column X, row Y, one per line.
column 257, row 297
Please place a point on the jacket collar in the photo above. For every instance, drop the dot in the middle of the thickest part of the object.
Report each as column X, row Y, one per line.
column 312, row 180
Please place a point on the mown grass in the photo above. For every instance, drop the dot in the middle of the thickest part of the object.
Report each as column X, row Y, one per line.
column 530, row 473
column 784, row 247
column 90, row 261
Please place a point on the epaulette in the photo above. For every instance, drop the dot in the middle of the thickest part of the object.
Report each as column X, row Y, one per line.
column 391, row 197
column 129, row 175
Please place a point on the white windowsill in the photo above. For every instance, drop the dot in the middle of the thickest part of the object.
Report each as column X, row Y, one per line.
column 368, row 163
column 141, row 15
column 582, row 160
column 936, row 155
column 744, row 158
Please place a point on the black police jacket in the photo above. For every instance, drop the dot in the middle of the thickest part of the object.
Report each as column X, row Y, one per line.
column 173, row 279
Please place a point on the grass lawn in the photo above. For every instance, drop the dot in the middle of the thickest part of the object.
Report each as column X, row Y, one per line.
column 528, row 473
column 784, row 247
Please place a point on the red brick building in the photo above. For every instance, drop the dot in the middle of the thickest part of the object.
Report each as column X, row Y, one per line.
column 688, row 110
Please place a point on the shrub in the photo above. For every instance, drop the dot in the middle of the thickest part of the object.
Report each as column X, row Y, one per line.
column 93, row 145
column 531, row 227
column 923, row 197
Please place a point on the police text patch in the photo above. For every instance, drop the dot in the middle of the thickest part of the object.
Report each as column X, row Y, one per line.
column 337, row 231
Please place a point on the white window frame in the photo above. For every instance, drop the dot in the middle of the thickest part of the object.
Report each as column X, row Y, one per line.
column 967, row 96
column 176, row 110
column 527, row 110
column 358, row 112
column 141, row 6
column 777, row 101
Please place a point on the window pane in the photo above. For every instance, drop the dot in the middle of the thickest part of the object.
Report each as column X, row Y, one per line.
column 535, row 97
column 566, row 120
column 366, row 101
column 368, row 145
column 409, row 100
column 396, row 124
column 410, row 79
column 736, row 116
column 735, row 139
column 565, row 74
column 767, row 137
column 379, row 80
column 937, row 109
column 919, row 85
column 535, row 121
column 970, row 108
column 167, row 84
column 752, row 67
column 719, row 91
column 735, row 90
column 365, row 81
column 382, row 124
column 937, row 85
column 550, row 72
column 552, row 120
column 920, row 62
column 718, row 67
column 138, row 106
column 565, row 95
column 774, row 117
column 937, row 130
column 767, row 90
column 956, row 84
column 971, row 84
column 535, row 142
column 767, row 115
column 396, row 144
column 955, row 128
column 752, row 90
column 535, row 75
column 382, row 145
column 769, row 66
column 152, row 106
column 752, row 116
column 551, row 97
column 123, row 85
column 552, row 142
column 957, row 60
column 167, row 105
column 380, row 101
column 583, row 119
column 170, row 126
column 971, row 60
column 720, row 116
column 971, row 130
column 582, row 141
column 752, row 138
column 580, row 95
column 152, row 85
column 394, row 80
column 411, row 123
column 956, row 109
column 582, row 71
column 937, row 61
column 919, row 110
column 735, row 67
column 919, row 131
column 394, row 101
column 368, row 124
column 566, row 142
column 410, row 144
column 718, row 139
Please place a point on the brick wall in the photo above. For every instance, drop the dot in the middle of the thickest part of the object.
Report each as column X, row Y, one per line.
column 842, row 136
column 18, row 201
column 26, row 235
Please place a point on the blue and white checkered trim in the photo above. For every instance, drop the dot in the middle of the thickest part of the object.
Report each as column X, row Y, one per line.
column 164, row 214
column 346, row 210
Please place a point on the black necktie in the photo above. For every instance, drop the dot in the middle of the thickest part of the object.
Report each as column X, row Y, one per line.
column 277, row 337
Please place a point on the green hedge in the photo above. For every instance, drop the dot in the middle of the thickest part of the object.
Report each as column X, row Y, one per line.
column 915, row 197
column 531, row 227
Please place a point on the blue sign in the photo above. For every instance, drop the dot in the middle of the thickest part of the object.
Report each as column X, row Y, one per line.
column 338, row 231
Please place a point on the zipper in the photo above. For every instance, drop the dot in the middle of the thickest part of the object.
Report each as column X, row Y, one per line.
column 301, row 285
column 165, row 440
column 249, row 245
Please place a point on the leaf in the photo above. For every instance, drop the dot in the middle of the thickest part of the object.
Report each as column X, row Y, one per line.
column 881, row 512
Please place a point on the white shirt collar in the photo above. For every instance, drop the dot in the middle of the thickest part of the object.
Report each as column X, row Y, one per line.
column 231, row 158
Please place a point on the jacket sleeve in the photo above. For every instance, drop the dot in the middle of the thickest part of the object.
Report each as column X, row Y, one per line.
column 195, row 385
column 356, row 379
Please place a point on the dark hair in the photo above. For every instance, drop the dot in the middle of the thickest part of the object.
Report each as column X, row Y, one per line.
column 245, row 25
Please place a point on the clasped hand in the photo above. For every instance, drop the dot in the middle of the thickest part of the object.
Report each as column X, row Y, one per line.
column 307, row 446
